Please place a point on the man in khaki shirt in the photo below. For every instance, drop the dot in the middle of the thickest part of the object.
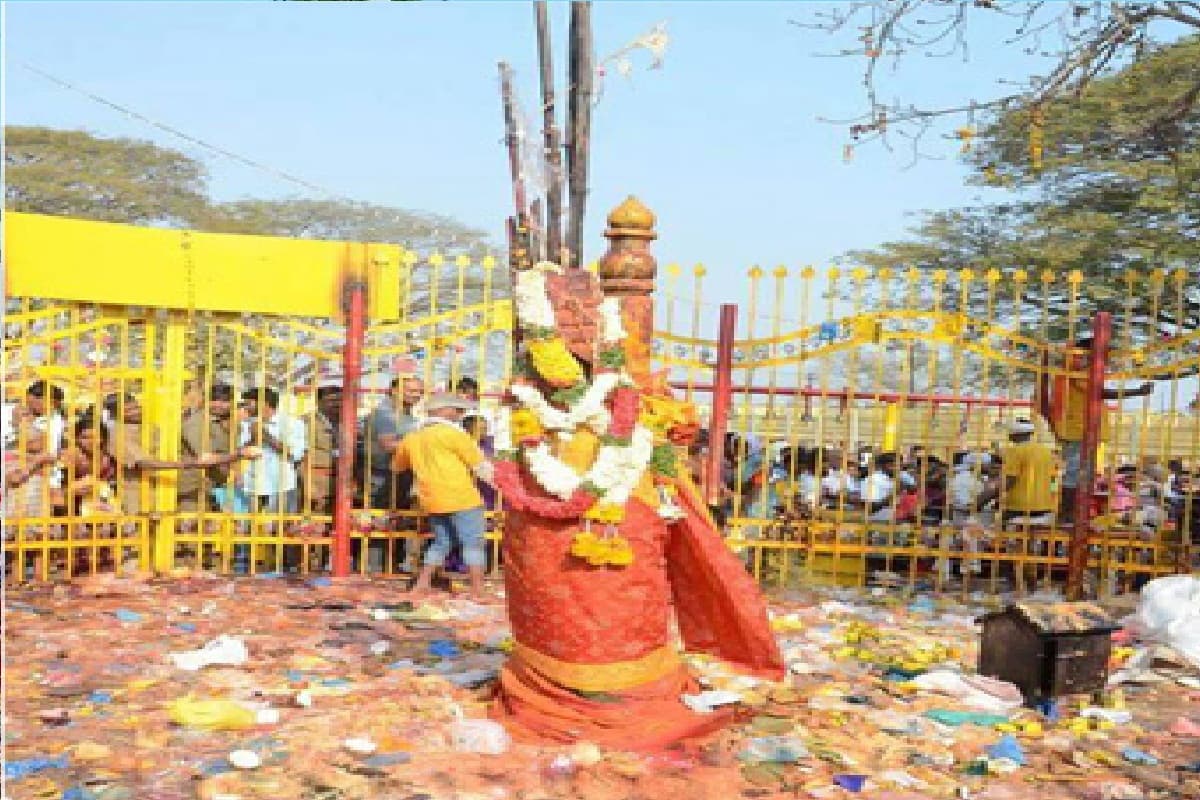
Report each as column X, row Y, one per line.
column 206, row 430
column 125, row 446
column 318, row 473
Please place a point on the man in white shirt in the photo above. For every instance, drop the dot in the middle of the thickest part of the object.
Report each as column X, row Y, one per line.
column 879, row 487
column 966, row 485
column 270, row 481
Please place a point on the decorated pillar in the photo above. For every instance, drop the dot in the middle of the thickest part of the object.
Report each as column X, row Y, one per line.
column 627, row 272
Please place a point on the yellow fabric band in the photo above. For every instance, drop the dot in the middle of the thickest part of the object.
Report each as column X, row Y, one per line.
column 601, row 677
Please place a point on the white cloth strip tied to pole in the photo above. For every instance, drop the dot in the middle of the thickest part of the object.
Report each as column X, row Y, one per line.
column 654, row 41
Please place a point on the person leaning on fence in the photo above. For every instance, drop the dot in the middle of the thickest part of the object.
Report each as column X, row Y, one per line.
column 446, row 462
column 207, row 431
column 878, row 489
column 319, row 471
column 966, row 487
column 387, row 424
column 133, row 461
column 279, row 444
column 28, row 466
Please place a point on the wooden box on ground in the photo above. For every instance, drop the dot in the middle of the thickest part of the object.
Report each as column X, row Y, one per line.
column 1048, row 649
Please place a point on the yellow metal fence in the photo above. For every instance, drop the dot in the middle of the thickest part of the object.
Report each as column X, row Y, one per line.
column 830, row 369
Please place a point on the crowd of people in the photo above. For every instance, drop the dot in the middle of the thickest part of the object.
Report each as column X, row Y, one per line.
column 244, row 453
column 1022, row 483
column 239, row 453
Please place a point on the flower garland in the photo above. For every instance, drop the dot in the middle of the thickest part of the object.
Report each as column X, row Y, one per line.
column 588, row 410
column 609, row 405
column 533, row 304
column 614, row 473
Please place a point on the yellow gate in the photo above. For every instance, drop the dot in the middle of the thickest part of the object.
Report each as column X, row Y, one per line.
column 208, row 344
column 60, row 363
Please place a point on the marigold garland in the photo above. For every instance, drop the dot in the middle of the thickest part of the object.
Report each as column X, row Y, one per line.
column 554, row 362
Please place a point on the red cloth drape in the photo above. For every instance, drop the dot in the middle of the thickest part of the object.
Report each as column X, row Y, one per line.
column 567, row 610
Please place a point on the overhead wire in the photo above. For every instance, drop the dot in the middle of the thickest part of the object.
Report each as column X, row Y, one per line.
column 173, row 131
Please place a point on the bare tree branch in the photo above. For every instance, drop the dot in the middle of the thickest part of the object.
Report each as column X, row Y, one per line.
column 1092, row 39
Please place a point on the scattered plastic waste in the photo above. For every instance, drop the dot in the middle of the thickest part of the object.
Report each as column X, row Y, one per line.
column 218, row 715
column 1135, row 756
column 774, row 749
column 483, row 736
column 361, row 745
column 881, row 690
column 245, row 759
column 444, row 649
column 956, row 718
column 851, row 782
column 22, row 768
column 1007, row 748
column 1113, row 715
column 706, row 702
column 222, row 651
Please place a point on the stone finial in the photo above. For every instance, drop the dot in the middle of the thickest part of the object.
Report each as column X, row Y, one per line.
column 628, row 268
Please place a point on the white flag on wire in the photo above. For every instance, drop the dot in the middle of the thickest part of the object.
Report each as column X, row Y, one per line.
column 654, row 42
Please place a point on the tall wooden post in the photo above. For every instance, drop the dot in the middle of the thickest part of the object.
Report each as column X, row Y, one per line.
column 722, row 402
column 627, row 271
column 1086, row 488
column 579, row 123
column 552, row 157
column 354, row 306
column 513, row 144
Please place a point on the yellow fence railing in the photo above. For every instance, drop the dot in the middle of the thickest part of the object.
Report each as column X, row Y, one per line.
column 124, row 409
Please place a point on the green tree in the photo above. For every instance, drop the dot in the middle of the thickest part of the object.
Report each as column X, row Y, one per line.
column 1115, row 188
column 73, row 173
column 304, row 218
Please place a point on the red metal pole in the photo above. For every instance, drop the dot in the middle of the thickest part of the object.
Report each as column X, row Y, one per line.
column 722, row 390
column 1077, row 555
column 354, row 294
column 843, row 394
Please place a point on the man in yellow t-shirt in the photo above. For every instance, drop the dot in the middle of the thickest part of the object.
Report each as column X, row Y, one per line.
column 1028, row 475
column 445, row 462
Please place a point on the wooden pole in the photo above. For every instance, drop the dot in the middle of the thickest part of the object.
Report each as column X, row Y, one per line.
column 354, row 289
column 1077, row 552
column 580, row 75
column 512, row 141
column 552, row 157
column 718, row 424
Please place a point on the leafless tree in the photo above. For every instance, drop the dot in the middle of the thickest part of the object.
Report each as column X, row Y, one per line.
column 1082, row 39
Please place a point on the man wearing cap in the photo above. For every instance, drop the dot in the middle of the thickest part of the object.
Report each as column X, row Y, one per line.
column 1027, row 489
column 445, row 462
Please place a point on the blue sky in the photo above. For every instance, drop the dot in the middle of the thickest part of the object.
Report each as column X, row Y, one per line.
column 397, row 103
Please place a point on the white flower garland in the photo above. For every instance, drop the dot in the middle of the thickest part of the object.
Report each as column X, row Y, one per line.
column 611, row 331
column 534, row 308
column 616, row 471
column 502, row 430
column 589, row 409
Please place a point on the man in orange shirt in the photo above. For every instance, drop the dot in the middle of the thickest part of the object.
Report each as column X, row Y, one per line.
column 445, row 461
